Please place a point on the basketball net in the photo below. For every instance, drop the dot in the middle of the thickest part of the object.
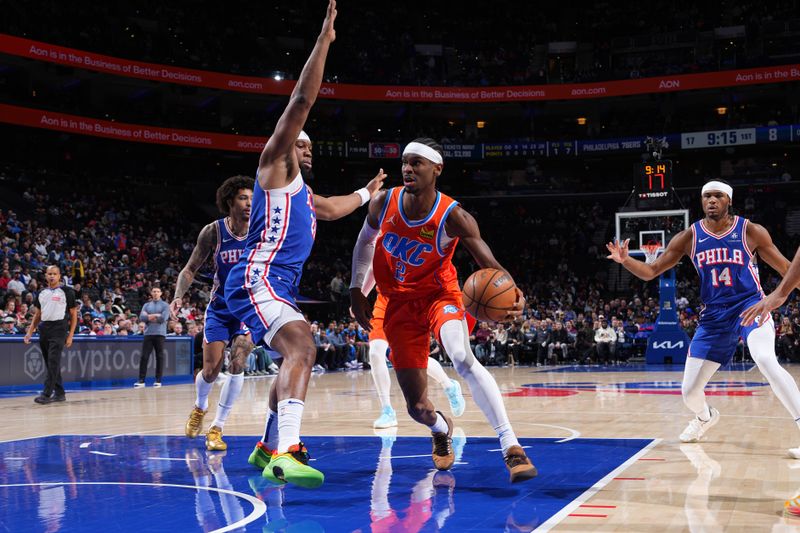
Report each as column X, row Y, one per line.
column 650, row 252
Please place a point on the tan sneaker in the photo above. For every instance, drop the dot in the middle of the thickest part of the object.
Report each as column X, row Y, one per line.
column 214, row 440
column 195, row 422
column 518, row 464
column 443, row 455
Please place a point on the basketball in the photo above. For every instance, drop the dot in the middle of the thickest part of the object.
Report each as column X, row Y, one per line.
column 489, row 294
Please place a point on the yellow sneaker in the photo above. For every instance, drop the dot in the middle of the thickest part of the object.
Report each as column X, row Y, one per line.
column 195, row 422
column 292, row 467
column 214, row 440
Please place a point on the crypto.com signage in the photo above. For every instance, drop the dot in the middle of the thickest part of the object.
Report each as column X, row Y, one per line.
column 89, row 359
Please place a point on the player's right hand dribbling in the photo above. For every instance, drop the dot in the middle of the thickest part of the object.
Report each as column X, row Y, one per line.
column 360, row 308
column 519, row 305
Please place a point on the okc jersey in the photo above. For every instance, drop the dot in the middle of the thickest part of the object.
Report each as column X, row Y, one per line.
column 413, row 257
column 229, row 250
column 261, row 289
column 727, row 268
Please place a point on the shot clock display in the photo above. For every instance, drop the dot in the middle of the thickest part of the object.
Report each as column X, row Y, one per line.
column 654, row 184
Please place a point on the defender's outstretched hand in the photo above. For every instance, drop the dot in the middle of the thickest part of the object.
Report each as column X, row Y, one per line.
column 762, row 309
column 618, row 251
column 376, row 183
column 327, row 26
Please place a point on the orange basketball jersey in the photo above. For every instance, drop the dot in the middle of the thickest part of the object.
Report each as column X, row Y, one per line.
column 413, row 257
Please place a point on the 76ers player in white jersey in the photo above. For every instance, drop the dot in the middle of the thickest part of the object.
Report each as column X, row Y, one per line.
column 225, row 238
column 262, row 288
column 723, row 249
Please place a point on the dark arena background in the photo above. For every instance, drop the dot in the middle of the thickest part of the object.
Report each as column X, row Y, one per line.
column 564, row 128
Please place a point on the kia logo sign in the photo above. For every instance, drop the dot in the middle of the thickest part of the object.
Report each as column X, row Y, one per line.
column 667, row 345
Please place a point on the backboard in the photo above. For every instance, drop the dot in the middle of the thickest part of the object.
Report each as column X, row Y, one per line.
column 648, row 227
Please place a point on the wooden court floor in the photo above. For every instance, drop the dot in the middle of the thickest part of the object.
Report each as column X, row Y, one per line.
column 735, row 480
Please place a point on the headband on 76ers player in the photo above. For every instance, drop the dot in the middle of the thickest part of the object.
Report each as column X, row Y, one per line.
column 718, row 186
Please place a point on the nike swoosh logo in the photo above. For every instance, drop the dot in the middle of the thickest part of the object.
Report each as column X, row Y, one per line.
column 703, row 240
column 227, row 240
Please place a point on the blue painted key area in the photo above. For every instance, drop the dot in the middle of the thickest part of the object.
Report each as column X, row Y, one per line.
column 169, row 483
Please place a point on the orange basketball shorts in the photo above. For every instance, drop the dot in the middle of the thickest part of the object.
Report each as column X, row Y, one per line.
column 407, row 325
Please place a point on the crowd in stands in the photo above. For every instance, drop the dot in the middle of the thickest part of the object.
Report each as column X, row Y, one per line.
column 113, row 248
column 420, row 44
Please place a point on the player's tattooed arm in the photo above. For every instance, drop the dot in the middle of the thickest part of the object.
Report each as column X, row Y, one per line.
column 206, row 243
column 679, row 246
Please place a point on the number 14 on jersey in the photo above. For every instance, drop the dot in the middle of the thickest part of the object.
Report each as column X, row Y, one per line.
column 721, row 277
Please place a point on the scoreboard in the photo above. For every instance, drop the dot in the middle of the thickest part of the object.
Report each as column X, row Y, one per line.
column 653, row 187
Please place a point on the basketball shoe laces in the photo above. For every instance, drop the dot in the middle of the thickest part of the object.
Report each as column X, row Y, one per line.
column 514, row 459
column 299, row 452
column 196, row 417
column 441, row 444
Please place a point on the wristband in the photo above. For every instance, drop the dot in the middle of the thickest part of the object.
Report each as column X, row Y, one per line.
column 364, row 194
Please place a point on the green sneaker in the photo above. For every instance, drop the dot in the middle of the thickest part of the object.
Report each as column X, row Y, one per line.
column 261, row 456
column 292, row 467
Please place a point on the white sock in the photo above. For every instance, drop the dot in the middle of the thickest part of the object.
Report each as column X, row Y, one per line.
column 485, row 392
column 761, row 342
column 230, row 392
column 270, row 438
column 436, row 372
column 290, row 414
column 379, row 370
column 440, row 426
column 696, row 375
column 202, row 388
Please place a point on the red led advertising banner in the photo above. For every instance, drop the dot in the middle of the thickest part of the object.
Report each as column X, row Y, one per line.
column 38, row 118
column 217, row 80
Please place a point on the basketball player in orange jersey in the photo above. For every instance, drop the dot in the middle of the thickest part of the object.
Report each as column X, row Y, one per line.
column 409, row 238
column 378, row 349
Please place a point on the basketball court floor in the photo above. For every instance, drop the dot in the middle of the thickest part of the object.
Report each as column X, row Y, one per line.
column 605, row 441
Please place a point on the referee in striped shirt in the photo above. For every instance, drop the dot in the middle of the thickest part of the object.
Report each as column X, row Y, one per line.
column 57, row 311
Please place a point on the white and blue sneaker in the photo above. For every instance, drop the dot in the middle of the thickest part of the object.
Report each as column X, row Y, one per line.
column 388, row 419
column 456, row 399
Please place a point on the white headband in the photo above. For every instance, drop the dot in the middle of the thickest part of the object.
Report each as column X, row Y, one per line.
column 425, row 151
column 303, row 136
column 718, row 186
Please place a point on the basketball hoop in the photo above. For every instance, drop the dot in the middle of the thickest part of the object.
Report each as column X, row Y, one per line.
column 650, row 251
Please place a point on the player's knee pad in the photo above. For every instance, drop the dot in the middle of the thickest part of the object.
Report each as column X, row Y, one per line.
column 377, row 351
column 761, row 343
column 455, row 342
